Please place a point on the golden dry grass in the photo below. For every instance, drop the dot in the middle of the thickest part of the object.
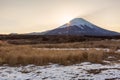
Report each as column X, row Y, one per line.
column 87, row 44
column 25, row 54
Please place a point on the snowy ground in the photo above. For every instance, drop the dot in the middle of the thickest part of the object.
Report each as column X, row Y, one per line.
column 103, row 49
column 83, row 71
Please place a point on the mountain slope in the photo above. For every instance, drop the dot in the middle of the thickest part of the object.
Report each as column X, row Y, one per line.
column 79, row 26
column 38, row 33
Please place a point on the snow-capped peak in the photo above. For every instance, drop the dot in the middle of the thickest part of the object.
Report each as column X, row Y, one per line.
column 79, row 26
column 77, row 22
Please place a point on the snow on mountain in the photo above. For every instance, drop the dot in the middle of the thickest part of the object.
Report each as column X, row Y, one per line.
column 80, row 26
column 78, row 22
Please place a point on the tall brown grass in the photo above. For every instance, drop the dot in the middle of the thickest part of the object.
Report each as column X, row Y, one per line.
column 95, row 56
column 85, row 44
column 25, row 54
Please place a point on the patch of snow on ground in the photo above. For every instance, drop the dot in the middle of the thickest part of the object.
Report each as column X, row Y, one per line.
column 118, row 50
column 57, row 72
column 104, row 49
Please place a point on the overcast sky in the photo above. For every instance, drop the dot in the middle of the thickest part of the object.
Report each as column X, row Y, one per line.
column 23, row 16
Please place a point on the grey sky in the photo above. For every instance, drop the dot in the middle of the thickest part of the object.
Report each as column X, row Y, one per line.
column 24, row 16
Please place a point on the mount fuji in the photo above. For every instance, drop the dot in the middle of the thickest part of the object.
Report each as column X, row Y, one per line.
column 81, row 27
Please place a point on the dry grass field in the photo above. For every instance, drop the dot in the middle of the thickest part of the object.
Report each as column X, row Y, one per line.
column 27, row 54
column 86, row 44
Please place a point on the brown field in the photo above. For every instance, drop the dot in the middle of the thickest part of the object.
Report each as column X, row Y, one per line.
column 27, row 54
column 112, row 44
